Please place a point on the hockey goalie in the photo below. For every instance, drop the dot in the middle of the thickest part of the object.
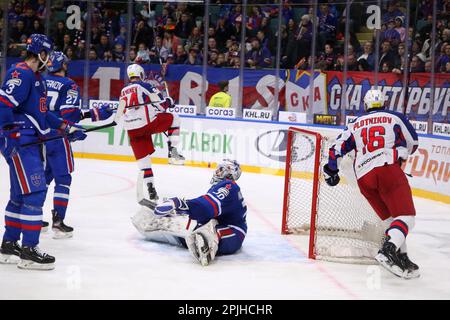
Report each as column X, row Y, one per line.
column 209, row 225
column 145, row 114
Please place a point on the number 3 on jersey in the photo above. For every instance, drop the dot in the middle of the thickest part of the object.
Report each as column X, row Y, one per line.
column 373, row 138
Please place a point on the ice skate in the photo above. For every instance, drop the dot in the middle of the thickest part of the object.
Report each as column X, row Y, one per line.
column 389, row 258
column 10, row 252
column 32, row 259
column 61, row 230
column 174, row 157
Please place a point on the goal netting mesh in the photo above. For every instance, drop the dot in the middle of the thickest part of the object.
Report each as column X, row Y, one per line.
column 340, row 222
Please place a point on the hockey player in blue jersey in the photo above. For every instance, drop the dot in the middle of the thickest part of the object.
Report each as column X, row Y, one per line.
column 64, row 102
column 209, row 225
column 24, row 119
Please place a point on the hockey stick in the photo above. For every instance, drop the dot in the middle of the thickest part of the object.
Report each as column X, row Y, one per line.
column 112, row 124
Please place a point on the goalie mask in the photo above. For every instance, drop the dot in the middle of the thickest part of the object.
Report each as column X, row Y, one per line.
column 228, row 169
column 373, row 99
column 135, row 70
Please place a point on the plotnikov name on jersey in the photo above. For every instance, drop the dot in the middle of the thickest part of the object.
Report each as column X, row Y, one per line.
column 232, row 310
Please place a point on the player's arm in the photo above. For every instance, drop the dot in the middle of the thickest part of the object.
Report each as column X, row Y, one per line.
column 15, row 89
column 70, row 107
column 345, row 142
column 405, row 135
column 156, row 97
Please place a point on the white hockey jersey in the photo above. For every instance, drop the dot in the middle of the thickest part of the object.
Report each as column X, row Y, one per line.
column 137, row 94
column 379, row 137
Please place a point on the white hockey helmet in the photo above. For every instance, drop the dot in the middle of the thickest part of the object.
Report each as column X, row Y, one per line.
column 373, row 99
column 228, row 169
column 135, row 70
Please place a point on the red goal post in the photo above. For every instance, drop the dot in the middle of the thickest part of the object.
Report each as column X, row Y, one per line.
column 339, row 221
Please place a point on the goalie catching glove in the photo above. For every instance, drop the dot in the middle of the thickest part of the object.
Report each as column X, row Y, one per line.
column 331, row 176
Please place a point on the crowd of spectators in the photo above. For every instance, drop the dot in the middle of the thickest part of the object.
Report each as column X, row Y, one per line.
column 170, row 32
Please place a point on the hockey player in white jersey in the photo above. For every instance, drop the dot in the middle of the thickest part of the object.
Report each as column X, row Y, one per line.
column 381, row 139
column 145, row 114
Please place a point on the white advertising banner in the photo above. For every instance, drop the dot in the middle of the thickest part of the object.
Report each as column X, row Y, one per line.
column 263, row 145
column 215, row 112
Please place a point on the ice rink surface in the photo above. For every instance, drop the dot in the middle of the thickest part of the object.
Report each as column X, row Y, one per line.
column 108, row 259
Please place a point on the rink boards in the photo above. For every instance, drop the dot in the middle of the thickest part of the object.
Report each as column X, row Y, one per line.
column 260, row 147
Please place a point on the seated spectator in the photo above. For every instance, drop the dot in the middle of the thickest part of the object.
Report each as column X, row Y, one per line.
column 122, row 37
column 193, row 57
column 184, row 27
column 180, row 55
column 170, row 41
column 386, row 67
column 393, row 11
column 143, row 55
column 328, row 56
column 118, row 53
column 399, row 20
column 58, row 34
column 417, row 65
column 142, row 34
column 304, row 36
column 154, row 58
column 222, row 32
column 428, row 67
column 447, row 67
column 18, row 31
column 221, row 61
column 386, row 55
column 327, row 25
column 195, row 38
column 132, row 55
column 159, row 49
column 36, row 27
column 93, row 55
column 391, row 35
column 70, row 54
column 398, row 57
column 352, row 63
column 103, row 46
column 258, row 57
column 221, row 99
column 213, row 56
column 108, row 56
column 444, row 58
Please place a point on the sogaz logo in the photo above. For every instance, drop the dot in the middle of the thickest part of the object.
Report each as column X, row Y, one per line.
column 273, row 145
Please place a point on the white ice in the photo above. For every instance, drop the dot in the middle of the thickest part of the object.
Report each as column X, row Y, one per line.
column 108, row 259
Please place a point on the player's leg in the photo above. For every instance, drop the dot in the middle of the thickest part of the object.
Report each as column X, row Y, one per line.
column 142, row 146
column 170, row 123
column 61, row 164
column 230, row 239
column 10, row 248
column 170, row 229
column 396, row 193
column 29, row 176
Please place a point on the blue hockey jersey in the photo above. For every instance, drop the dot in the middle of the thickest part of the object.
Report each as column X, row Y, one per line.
column 63, row 98
column 23, row 98
column 223, row 202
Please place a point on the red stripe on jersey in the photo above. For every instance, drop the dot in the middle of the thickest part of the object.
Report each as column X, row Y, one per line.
column 225, row 232
column 216, row 211
column 21, row 175
column 32, row 228
column 60, row 203
column 65, row 111
column 8, row 103
column 13, row 224
column 68, row 154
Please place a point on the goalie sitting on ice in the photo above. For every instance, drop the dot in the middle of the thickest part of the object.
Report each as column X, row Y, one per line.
column 209, row 225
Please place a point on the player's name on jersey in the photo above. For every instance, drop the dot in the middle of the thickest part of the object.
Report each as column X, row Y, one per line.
column 263, row 115
column 289, row 116
column 113, row 104
column 220, row 112
column 183, row 110
column 441, row 129
column 420, row 126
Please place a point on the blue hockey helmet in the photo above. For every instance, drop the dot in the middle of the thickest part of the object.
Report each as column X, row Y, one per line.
column 37, row 43
column 228, row 169
column 56, row 61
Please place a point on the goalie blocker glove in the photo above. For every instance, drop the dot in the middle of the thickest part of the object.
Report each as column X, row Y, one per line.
column 172, row 206
column 331, row 176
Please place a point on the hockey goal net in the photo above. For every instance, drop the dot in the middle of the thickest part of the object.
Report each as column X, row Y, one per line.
column 340, row 223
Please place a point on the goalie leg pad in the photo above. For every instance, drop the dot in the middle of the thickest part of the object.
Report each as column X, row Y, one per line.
column 203, row 243
column 147, row 223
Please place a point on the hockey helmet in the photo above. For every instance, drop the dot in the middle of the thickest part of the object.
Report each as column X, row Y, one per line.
column 373, row 99
column 135, row 70
column 56, row 61
column 37, row 43
column 228, row 169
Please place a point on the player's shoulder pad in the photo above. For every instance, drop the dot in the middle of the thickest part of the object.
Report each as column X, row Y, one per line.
column 20, row 71
column 227, row 184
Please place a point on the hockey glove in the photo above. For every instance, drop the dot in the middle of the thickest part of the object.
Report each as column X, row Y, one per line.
column 73, row 132
column 101, row 113
column 9, row 140
column 172, row 206
column 168, row 103
column 331, row 176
